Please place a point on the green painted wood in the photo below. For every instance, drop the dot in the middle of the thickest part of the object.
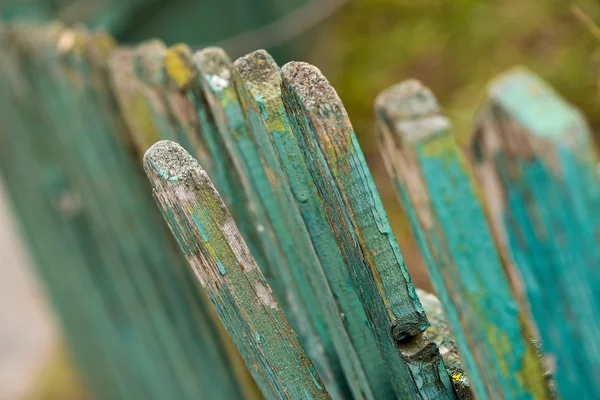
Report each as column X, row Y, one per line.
column 213, row 151
column 36, row 186
column 165, row 112
column 258, row 83
column 191, row 122
column 536, row 163
column 145, row 314
column 222, row 262
column 355, row 213
column 437, row 190
column 288, row 262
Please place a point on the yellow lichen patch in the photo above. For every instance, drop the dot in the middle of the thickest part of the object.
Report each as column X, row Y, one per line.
column 439, row 145
column 456, row 377
column 144, row 130
column 176, row 68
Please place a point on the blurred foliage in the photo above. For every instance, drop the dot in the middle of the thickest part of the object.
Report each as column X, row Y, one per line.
column 455, row 47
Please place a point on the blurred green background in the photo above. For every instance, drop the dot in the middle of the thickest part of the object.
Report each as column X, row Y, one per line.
column 364, row 46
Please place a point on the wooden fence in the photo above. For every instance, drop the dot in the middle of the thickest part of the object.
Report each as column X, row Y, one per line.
column 294, row 285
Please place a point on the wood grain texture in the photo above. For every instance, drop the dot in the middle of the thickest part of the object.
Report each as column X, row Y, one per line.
column 153, row 102
column 356, row 216
column 189, row 96
column 285, row 241
column 227, row 271
column 437, row 190
column 258, row 84
column 189, row 116
column 537, row 166
column 131, row 308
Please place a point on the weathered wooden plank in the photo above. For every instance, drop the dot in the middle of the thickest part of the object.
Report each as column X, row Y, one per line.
column 181, row 88
column 185, row 82
column 122, row 254
column 227, row 271
column 40, row 64
column 167, row 292
column 258, row 83
column 130, row 94
column 437, row 191
column 355, row 213
column 35, row 189
column 537, row 166
column 288, row 262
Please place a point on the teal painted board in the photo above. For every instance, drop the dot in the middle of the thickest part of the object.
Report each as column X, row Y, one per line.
column 227, row 271
column 356, row 216
column 258, row 84
column 161, row 110
column 537, row 166
column 32, row 48
column 189, row 91
column 128, row 260
column 292, row 258
column 36, row 186
column 436, row 188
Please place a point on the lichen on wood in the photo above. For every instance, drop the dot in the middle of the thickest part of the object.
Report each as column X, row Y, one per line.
column 537, row 166
column 356, row 216
column 258, row 83
column 288, row 259
column 438, row 193
column 227, row 271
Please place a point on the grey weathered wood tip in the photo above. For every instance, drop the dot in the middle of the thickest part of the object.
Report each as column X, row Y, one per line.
column 256, row 67
column 169, row 160
column 311, row 85
column 414, row 109
column 214, row 61
column 149, row 60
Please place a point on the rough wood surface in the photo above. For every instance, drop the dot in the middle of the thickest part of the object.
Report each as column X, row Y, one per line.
column 227, row 271
column 356, row 216
column 189, row 96
column 289, row 258
column 537, row 166
column 132, row 310
column 153, row 102
column 438, row 193
column 441, row 334
column 258, row 83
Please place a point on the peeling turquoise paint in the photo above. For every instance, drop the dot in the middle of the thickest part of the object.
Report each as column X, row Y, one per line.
column 549, row 217
column 221, row 267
